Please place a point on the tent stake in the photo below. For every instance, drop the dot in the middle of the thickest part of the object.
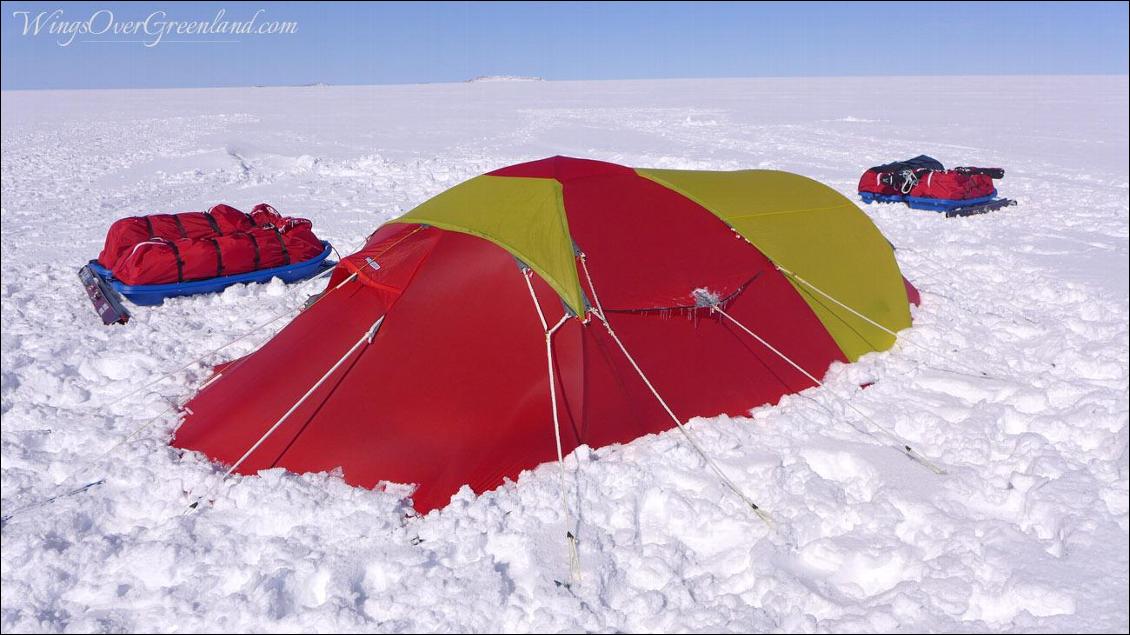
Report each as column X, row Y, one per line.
column 570, row 537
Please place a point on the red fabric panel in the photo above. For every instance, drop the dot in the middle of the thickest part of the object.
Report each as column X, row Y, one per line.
column 650, row 247
column 564, row 169
column 378, row 242
column 239, row 253
column 263, row 215
column 389, row 264
column 151, row 262
column 196, row 224
column 231, row 413
column 270, row 248
column 454, row 389
column 200, row 260
column 165, row 226
column 301, row 243
column 155, row 261
column 702, row 364
column 912, row 294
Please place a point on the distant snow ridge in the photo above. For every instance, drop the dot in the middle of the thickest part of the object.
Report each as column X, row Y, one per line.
column 505, row 78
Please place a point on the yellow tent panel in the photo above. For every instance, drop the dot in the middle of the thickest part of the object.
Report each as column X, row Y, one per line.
column 524, row 216
column 822, row 237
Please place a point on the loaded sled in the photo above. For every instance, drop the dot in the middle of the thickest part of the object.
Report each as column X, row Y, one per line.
column 924, row 183
column 147, row 259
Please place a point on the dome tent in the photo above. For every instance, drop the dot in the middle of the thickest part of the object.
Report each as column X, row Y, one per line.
column 488, row 329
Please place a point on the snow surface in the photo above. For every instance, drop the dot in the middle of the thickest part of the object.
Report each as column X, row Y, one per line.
column 1027, row 531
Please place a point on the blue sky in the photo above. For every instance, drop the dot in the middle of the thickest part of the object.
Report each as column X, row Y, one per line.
column 416, row 42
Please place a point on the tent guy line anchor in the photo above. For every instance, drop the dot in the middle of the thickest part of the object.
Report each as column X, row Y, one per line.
column 133, row 434
column 899, row 444
column 201, row 358
column 30, row 506
column 598, row 311
column 886, row 330
column 570, row 535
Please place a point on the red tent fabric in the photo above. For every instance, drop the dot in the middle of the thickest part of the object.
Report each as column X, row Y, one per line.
column 453, row 389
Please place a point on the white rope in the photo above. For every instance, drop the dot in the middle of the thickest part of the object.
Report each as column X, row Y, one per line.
column 366, row 338
column 570, row 536
column 26, row 508
column 198, row 359
column 133, row 434
column 877, row 325
column 201, row 358
column 899, row 443
column 599, row 312
column 527, row 274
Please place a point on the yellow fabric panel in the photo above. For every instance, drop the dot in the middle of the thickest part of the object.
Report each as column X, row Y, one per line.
column 812, row 230
column 524, row 216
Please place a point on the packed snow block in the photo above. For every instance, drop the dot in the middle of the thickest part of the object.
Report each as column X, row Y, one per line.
column 221, row 220
column 164, row 261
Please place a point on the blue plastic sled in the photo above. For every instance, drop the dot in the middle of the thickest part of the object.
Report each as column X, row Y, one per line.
column 154, row 294
column 932, row 204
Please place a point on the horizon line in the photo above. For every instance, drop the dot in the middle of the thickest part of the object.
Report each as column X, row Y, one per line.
column 506, row 79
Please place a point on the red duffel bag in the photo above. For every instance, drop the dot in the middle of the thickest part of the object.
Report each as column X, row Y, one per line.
column 263, row 215
column 163, row 261
column 300, row 239
column 952, row 185
column 871, row 182
column 127, row 232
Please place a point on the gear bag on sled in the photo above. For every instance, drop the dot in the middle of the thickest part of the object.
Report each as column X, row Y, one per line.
column 147, row 259
column 163, row 261
column 924, row 183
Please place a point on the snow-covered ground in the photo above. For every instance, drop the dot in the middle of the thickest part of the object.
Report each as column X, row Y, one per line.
column 1027, row 531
